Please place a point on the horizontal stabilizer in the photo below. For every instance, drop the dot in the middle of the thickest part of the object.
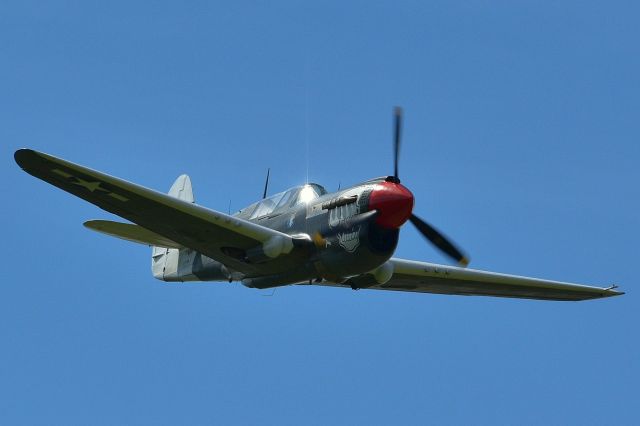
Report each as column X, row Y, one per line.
column 130, row 232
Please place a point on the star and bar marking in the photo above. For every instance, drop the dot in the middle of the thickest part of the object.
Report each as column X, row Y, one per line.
column 92, row 186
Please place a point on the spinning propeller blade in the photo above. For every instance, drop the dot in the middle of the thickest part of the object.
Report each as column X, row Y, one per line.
column 439, row 240
column 427, row 231
column 397, row 114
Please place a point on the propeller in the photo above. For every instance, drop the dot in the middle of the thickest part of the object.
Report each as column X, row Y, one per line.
column 397, row 116
column 439, row 240
column 430, row 233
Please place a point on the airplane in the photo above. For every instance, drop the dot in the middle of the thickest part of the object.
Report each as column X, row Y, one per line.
column 302, row 236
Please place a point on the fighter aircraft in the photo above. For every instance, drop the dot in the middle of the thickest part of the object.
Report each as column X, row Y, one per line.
column 302, row 236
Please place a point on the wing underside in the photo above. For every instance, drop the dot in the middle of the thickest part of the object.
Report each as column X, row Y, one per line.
column 425, row 277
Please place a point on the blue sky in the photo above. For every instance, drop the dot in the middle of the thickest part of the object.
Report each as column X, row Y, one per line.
column 520, row 142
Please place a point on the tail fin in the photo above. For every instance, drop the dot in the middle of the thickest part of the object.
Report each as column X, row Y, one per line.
column 182, row 189
column 164, row 261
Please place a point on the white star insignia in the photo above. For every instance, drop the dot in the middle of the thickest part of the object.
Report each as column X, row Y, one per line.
column 91, row 186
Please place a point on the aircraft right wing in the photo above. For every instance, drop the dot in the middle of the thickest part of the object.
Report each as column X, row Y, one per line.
column 224, row 238
column 423, row 277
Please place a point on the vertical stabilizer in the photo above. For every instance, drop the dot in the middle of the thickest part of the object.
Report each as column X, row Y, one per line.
column 164, row 261
column 182, row 189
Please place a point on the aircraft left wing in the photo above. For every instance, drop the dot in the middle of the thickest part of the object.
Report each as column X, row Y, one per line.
column 426, row 277
column 216, row 235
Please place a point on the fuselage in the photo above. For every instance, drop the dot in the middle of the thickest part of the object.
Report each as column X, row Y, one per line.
column 350, row 232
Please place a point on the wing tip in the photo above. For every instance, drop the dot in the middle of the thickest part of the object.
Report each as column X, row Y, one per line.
column 611, row 292
column 24, row 156
column 92, row 224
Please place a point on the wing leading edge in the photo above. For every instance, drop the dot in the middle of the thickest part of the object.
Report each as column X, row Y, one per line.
column 426, row 277
column 190, row 225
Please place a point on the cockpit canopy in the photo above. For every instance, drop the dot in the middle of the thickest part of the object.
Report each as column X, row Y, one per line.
column 283, row 201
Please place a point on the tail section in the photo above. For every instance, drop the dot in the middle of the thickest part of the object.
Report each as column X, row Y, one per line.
column 184, row 264
column 166, row 262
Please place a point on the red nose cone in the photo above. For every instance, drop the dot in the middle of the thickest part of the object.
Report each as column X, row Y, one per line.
column 394, row 203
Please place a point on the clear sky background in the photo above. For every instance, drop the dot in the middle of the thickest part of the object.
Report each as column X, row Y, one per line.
column 521, row 143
